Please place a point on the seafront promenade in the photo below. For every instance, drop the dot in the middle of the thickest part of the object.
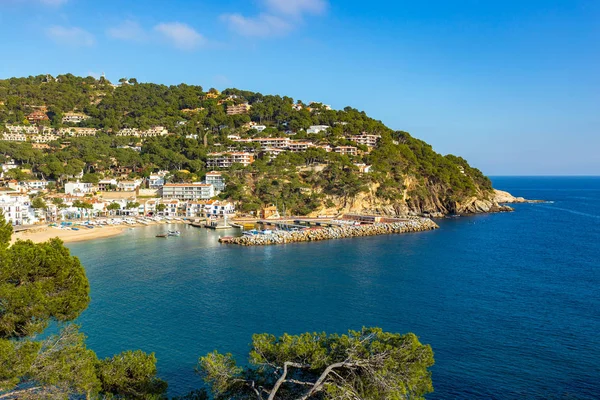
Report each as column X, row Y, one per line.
column 329, row 233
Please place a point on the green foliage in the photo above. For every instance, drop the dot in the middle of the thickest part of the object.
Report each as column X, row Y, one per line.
column 6, row 231
column 132, row 205
column 131, row 375
column 65, row 363
column 82, row 204
column 291, row 180
column 16, row 358
column 38, row 203
column 39, row 283
column 366, row 364
column 113, row 207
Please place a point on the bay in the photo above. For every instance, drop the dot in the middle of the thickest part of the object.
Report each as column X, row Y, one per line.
column 509, row 302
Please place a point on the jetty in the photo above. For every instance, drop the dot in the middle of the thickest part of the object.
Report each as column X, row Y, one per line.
column 334, row 232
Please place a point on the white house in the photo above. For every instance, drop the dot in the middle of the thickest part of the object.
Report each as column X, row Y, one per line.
column 314, row 129
column 219, row 209
column 156, row 181
column 8, row 165
column 35, row 185
column 129, row 186
column 107, row 184
column 78, row 188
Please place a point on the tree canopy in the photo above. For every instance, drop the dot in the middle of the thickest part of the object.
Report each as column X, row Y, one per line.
column 366, row 364
column 40, row 284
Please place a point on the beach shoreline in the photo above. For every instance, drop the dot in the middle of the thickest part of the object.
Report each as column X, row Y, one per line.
column 45, row 232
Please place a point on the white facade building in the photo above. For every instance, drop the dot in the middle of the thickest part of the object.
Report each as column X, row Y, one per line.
column 216, row 179
column 156, row 181
column 314, row 129
column 17, row 209
column 78, row 188
column 188, row 191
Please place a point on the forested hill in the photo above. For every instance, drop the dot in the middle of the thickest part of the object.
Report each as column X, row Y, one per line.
column 331, row 174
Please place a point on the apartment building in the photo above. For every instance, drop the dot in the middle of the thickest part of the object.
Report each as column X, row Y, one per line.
column 365, row 139
column 226, row 160
column 346, row 150
column 77, row 132
column 23, row 129
column 14, row 137
column 188, row 191
column 238, row 109
column 299, row 146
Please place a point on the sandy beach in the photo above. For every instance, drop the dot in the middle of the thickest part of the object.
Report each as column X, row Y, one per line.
column 44, row 233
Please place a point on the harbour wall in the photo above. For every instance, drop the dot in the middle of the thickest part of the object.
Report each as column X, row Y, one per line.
column 341, row 232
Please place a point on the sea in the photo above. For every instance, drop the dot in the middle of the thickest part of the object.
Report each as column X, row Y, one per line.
column 510, row 302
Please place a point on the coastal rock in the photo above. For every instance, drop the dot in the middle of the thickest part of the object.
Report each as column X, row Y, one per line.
column 501, row 196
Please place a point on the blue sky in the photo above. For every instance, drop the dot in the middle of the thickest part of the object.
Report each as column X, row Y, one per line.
column 512, row 86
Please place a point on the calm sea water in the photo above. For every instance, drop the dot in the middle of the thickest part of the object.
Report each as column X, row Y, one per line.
column 510, row 303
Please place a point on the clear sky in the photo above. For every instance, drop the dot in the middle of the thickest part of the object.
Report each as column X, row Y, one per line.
column 511, row 85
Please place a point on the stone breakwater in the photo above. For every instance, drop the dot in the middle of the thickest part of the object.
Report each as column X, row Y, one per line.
column 341, row 232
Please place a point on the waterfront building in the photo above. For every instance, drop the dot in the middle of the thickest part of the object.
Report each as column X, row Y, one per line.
column 17, row 209
column 216, row 179
column 187, row 191
column 78, row 189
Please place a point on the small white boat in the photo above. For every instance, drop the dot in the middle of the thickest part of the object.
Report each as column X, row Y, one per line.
column 174, row 233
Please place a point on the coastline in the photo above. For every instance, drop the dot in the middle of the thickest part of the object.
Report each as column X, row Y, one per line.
column 45, row 233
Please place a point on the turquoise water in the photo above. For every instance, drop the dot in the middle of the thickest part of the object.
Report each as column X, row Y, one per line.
column 509, row 302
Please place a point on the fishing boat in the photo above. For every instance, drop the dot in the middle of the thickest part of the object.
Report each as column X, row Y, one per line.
column 252, row 232
column 164, row 235
column 174, row 233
